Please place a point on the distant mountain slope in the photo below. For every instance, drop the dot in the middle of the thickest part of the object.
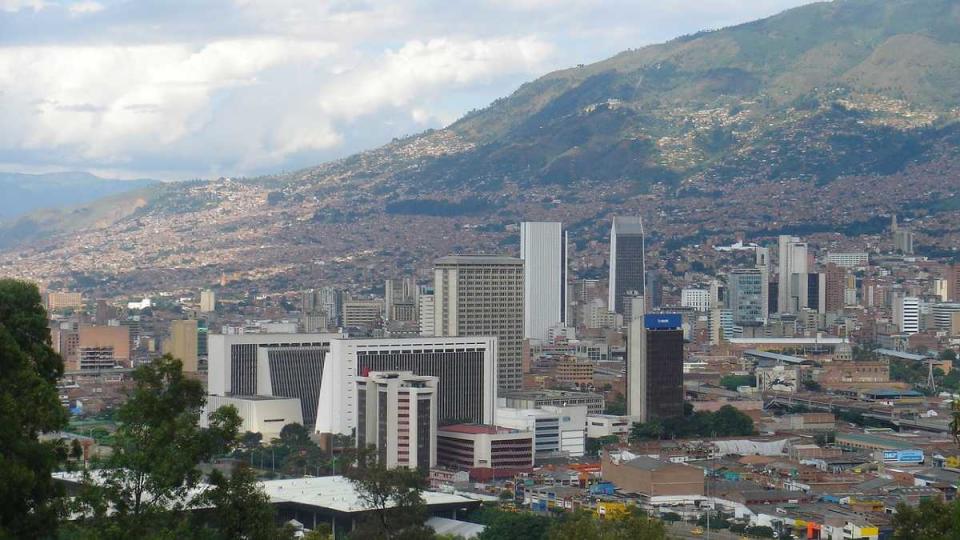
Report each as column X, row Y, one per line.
column 25, row 193
column 823, row 118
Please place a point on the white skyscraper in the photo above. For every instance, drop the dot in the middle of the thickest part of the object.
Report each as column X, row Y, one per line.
column 906, row 314
column 792, row 291
column 543, row 248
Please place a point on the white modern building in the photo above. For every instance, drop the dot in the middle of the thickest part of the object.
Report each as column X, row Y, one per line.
column 398, row 416
column 279, row 365
column 465, row 368
column 906, row 314
column 543, row 248
column 697, row 299
column 265, row 415
column 558, row 431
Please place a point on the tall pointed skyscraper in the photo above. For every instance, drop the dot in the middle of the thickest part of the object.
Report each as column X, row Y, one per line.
column 627, row 265
column 543, row 248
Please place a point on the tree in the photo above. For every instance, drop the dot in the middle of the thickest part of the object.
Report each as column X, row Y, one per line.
column 651, row 430
column 241, row 508
column 730, row 422
column 153, row 468
column 393, row 495
column 29, row 406
column 931, row 519
column 502, row 525
column 583, row 525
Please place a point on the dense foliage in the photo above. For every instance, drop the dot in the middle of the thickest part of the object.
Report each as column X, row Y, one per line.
column 726, row 422
column 29, row 406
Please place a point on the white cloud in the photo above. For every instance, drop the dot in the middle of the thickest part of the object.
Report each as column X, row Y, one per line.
column 262, row 85
column 103, row 102
column 85, row 7
column 13, row 6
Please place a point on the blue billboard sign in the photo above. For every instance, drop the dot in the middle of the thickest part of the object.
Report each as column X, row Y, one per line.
column 903, row 456
column 662, row 321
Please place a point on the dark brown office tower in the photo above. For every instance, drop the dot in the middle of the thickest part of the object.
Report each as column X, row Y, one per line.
column 665, row 373
column 655, row 368
column 836, row 285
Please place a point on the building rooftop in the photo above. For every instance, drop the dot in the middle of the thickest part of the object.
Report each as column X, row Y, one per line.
column 902, row 355
column 478, row 259
column 628, row 224
column 785, row 358
column 476, row 429
column 336, row 493
column 648, row 463
column 549, row 394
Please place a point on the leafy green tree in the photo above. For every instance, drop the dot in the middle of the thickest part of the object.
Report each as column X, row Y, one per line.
column 150, row 476
column 644, row 431
column 241, row 508
column 395, row 498
column 731, row 422
column 29, row 406
column 502, row 525
column 585, row 526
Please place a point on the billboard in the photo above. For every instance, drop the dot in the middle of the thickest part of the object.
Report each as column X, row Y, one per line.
column 662, row 321
column 903, row 456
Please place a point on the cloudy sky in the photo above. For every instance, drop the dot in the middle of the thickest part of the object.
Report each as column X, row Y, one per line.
column 177, row 89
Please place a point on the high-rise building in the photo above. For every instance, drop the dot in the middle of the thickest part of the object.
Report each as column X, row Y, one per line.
column 835, row 287
column 627, row 265
column 208, row 301
column 280, row 365
column 906, row 314
column 747, row 295
column 397, row 415
column 426, row 306
column 483, row 296
column 331, row 301
column 953, row 283
column 465, row 367
column 792, row 270
column 816, row 292
column 543, row 249
column 655, row 367
column 902, row 238
column 182, row 344
column 400, row 299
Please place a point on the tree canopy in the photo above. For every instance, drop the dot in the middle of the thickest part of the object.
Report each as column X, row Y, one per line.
column 29, row 406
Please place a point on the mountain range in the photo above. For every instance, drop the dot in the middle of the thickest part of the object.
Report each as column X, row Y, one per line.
column 25, row 193
column 823, row 119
